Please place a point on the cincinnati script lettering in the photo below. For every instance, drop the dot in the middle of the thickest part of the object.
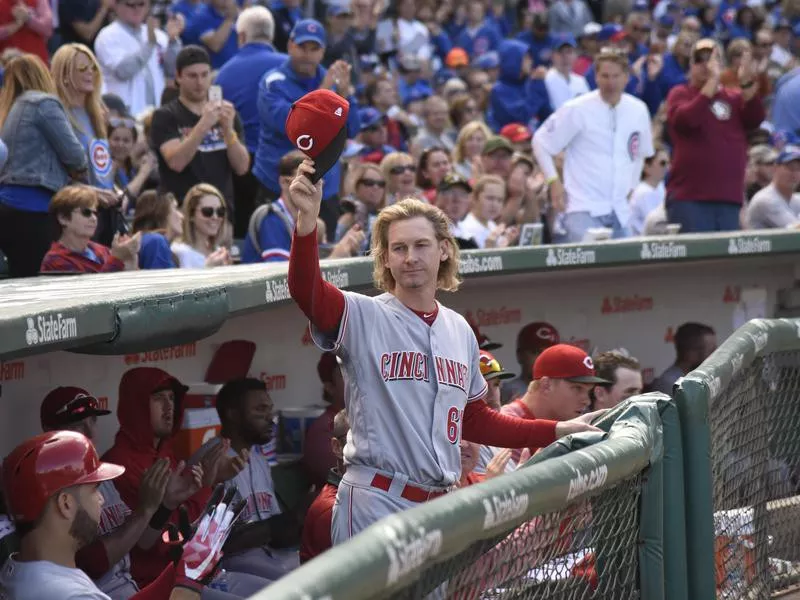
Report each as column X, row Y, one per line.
column 409, row 365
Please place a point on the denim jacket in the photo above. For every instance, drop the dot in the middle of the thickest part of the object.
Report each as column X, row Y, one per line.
column 42, row 147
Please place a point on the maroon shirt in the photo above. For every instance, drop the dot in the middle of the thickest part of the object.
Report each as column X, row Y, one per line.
column 709, row 140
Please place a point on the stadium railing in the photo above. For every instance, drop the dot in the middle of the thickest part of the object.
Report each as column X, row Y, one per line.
column 740, row 419
column 583, row 518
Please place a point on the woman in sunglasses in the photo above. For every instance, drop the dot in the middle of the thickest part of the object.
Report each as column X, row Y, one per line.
column 73, row 212
column 204, row 215
column 79, row 84
column 399, row 171
column 366, row 196
column 44, row 156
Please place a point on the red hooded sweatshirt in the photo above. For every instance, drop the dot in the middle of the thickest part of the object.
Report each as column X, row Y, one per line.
column 133, row 449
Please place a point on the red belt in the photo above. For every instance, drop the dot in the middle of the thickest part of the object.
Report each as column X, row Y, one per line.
column 410, row 492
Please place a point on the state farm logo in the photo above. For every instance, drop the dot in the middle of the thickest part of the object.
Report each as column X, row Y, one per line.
column 410, row 550
column 483, row 317
column 626, row 304
column 273, row 382
column 503, row 508
column 12, row 370
column 663, row 250
column 277, row 290
column 50, row 328
column 749, row 245
column 338, row 277
column 561, row 257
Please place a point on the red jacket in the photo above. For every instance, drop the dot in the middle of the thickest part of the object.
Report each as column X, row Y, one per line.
column 709, row 139
column 32, row 37
column 317, row 526
column 60, row 259
column 133, row 449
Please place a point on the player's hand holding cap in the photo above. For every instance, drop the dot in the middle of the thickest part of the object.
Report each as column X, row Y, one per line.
column 317, row 126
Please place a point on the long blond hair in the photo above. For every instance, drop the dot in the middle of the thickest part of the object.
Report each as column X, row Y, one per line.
column 196, row 193
column 62, row 66
column 447, row 278
column 23, row 74
column 467, row 132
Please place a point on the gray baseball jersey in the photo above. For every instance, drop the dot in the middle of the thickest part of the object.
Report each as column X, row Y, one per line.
column 406, row 386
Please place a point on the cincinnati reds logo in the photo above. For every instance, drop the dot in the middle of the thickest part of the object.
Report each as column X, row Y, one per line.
column 546, row 334
column 633, row 145
column 588, row 362
column 100, row 157
column 305, row 142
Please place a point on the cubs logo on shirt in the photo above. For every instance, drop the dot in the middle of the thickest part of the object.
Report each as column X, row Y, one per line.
column 634, row 141
column 721, row 110
column 101, row 158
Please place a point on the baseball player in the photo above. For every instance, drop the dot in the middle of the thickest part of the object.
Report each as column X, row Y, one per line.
column 410, row 365
column 531, row 341
column 51, row 483
column 606, row 135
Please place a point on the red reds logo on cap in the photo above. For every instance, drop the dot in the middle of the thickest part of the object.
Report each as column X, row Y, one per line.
column 547, row 333
column 564, row 361
column 588, row 362
column 304, row 142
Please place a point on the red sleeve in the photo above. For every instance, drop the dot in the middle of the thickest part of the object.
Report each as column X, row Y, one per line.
column 317, row 527
column 483, row 425
column 685, row 112
column 160, row 588
column 753, row 113
column 321, row 302
column 93, row 559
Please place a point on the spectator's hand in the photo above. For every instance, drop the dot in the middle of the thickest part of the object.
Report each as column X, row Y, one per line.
column 636, row 67
column 107, row 5
column 227, row 116
column 107, row 198
column 350, row 244
column 655, row 62
column 306, row 196
column 219, row 258
column 476, row 167
column 557, row 196
column 538, row 73
column 183, row 484
column 434, row 28
column 175, row 26
column 21, row 12
column 148, row 163
column 212, row 112
column 154, row 486
column 497, row 466
column 494, row 236
column 152, row 27
column 748, row 69
column 509, row 238
column 126, row 248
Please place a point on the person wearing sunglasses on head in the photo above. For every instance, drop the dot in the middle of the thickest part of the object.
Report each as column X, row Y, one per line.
column 73, row 212
column 204, row 229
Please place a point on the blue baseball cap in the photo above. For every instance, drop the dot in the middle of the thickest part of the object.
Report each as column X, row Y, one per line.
column 308, row 30
column 336, row 9
column 608, row 31
column 788, row 154
column 487, row 60
column 564, row 39
column 641, row 6
column 442, row 76
column 667, row 21
column 369, row 117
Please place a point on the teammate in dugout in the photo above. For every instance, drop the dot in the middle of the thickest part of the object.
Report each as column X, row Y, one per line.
column 52, row 482
column 410, row 365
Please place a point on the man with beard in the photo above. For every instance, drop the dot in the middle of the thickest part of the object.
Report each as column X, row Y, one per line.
column 259, row 545
column 52, row 486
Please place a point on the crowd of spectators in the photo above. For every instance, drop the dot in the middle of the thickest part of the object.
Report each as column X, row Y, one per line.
column 589, row 119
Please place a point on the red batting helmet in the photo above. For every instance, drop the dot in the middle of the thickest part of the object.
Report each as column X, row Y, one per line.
column 47, row 463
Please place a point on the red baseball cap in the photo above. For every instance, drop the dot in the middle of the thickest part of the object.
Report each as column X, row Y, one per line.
column 67, row 405
column 516, row 133
column 537, row 336
column 317, row 126
column 563, row 361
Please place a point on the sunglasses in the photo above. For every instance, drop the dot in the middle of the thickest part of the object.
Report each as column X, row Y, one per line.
column 84, row 68
column 87, row 212
column 135, row 4
column 119, row 122
column 208, row 212
column 78, row 405
column 399, row 170
column 372, row 183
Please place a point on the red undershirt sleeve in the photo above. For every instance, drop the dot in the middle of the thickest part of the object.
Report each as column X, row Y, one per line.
column 321, row 302
column 483, row 425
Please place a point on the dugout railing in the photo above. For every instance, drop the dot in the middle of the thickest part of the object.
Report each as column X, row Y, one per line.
column 583, row 519
column 740, row 418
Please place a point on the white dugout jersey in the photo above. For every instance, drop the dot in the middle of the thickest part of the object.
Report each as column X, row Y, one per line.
column 406, row 386
column 605, row 151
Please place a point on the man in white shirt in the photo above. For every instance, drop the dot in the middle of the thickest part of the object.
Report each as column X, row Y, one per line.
column 134, row 55
column 606, row 135
column 778, row 204
column 561, row 83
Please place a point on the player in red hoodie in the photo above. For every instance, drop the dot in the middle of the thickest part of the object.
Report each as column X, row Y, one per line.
column 150, row 413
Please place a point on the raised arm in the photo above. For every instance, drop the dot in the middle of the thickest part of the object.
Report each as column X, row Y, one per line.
column 321, row 302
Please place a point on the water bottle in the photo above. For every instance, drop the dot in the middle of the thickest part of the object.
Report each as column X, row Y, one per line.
column 220, row 582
